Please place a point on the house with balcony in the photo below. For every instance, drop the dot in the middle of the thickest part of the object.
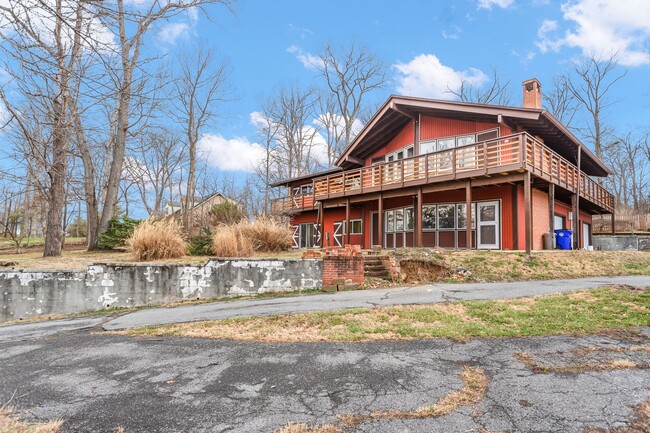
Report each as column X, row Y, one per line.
column 429, row 173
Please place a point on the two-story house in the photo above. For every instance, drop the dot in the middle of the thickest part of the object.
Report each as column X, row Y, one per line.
column 431, row 173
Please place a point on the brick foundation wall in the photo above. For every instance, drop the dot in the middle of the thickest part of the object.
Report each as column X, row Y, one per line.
column 343, row 267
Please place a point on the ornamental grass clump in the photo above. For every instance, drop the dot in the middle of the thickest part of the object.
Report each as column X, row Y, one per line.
column 229, row 241
column 266, row 235
column 155, row 240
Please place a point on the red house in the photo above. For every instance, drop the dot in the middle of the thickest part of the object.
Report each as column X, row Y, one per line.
column 422, row 168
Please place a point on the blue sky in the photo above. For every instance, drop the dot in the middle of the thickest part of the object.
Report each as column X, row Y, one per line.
column 427, row 45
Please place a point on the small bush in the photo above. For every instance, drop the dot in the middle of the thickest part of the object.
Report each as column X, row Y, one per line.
column 201, row 245
column 152, row 240
column 120, row 229
column 226, row 213
column 228, row 241
column 267, row 235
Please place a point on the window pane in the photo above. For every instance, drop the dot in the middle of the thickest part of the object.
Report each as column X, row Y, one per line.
column 390, row 222
column 427, row 147
column 446, row 143
column 488, row 213
column 409, row 152
column 400, row 155
column 488, row 235
column 409, row 216
column 462, row 216
column 399, row 220
column 429, row 217
column 465, row 139
column 355, row 227
column 446, row 217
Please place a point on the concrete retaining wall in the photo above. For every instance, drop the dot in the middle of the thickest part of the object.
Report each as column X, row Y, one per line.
column 622, row 242
column 31, row 293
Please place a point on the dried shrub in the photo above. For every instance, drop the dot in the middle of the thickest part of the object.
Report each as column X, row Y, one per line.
column 152, row 240
column 228, row 241
column 267, row 235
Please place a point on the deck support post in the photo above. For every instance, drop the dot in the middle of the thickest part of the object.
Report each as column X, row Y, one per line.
column 613, row 222
column 576, row 208
column 321, row 222
column 528, row 212
column 468, row 213
column 551, row 209
column 347, row 221
column 380, row 220
column 418, row 219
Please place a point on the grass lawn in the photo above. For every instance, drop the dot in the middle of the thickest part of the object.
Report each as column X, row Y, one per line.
column 7, row 243
column 422, row 265
column 583, row 312
column 78, row 258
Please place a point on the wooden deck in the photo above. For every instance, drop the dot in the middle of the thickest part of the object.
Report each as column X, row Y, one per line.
column 514, row 153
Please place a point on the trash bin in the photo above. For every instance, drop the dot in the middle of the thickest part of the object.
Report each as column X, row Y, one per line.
column 547, row 241
column 563, row 239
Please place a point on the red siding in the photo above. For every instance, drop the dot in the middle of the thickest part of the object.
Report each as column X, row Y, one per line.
column 402, row 139
column 434, row 127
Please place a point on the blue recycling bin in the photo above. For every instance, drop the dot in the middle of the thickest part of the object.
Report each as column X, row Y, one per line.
column 563, row 239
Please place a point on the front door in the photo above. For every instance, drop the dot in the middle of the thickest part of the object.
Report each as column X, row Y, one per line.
column 339, row 231
column 488, row 224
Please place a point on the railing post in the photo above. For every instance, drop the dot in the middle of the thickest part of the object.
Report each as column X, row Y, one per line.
column 401, row 164
column 453, row 162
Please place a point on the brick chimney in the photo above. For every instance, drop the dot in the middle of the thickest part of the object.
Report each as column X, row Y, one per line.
column 532, row 93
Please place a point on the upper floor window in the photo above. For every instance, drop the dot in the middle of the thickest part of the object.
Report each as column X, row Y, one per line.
column 304, row 190
column 405, row 152
column 446, row 143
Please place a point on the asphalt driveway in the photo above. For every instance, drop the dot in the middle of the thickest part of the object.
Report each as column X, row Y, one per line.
column 98, row 382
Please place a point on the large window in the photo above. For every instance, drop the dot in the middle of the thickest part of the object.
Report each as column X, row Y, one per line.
column 462, row 215
column 390, row 221
column 446, row 216
column 429, row 217
column 409, row 219
column 447, row 143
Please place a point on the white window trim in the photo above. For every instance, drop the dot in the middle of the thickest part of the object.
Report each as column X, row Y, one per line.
column 352, row 221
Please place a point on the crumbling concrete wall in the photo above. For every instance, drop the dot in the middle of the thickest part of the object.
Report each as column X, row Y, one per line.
column 622, row 242
column 27, row 293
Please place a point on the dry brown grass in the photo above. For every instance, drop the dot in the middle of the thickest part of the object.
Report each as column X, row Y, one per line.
column 600, row 365
column 474, row 385
column 9, row 424
column 154, row 240
column 228, row 241
column 267, row 234
column 246, row 238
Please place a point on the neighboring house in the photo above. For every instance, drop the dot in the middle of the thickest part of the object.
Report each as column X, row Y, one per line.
column 172, row 206
column 421, row 168
column 199, row 214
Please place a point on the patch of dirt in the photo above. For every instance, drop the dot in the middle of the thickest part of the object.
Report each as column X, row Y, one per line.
column 421, row 270
column 639, row 424
column 474, row 386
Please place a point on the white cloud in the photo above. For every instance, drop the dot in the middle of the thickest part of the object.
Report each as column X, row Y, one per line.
column 170, row 32
column 453, row 34
column 600, row 28
column 193, row 14
column 309, row 61
column 234, row 154
column 426, row 76
column 487, row 4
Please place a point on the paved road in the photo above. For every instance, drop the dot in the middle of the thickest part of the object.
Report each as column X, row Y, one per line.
column 98, row 382
column 363, row 298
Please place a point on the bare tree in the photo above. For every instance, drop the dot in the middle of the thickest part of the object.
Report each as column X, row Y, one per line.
column 153, row 168
column 42, row 47
column 593, row 81
column 560, row 101
column 350, row 73
column 131, row 26
column 198, row 89
column 267, row 132
column 332, row 126
column 494, row 92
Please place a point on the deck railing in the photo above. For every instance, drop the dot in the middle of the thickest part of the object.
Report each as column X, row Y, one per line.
column 298, row 202
column 500, row 155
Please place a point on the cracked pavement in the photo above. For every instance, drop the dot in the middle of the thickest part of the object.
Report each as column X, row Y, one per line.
column 99, row 382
